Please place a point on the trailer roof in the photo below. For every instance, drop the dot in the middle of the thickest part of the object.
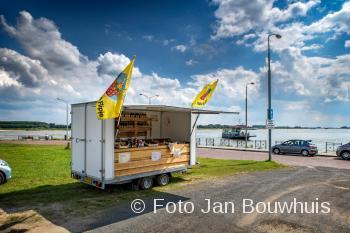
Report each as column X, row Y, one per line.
column 166, row 108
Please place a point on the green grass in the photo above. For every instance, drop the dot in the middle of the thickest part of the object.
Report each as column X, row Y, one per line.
column 34, row 166
column 41, row 175
column 212, row 168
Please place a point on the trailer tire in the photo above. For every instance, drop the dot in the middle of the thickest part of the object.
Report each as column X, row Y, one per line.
column 2, row 177
column 163, row 179
column 146, row 183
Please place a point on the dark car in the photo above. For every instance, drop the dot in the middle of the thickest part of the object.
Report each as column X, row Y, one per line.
column 344, row 151
column 304, row 147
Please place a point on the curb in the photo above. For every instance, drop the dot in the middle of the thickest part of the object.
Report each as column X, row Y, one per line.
column 253, row 150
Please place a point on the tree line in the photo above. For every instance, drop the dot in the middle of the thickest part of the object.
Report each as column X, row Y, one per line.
column 30, row 125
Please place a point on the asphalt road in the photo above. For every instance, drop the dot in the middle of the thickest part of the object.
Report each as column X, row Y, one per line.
column 305, row 184
column 293, row 160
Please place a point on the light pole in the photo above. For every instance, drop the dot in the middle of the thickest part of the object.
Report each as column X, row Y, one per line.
column 149, row 97
column 246, row 112
column 64, row 101
column 269, row 110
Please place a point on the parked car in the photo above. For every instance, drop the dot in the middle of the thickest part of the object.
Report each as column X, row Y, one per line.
column 343, row 151
column 5, row 172
column 304, row 147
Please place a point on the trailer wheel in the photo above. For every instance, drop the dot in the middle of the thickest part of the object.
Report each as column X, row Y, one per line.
column 163, row 179
column 146, row 183
column 2, row 178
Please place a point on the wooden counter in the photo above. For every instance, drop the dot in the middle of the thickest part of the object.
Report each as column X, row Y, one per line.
column 141, row 159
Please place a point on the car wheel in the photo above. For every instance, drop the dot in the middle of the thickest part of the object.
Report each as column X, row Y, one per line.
column 146, row 183
column 305, row 153
column 345, row 155
column 276, row 151
column 2, row 178
column 163, row 179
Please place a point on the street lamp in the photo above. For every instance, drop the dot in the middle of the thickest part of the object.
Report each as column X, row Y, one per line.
column 149, row 97
column 269, row 110
column 64, row 101
column 246, row 112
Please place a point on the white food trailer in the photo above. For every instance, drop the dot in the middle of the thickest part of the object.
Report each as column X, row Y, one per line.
column 96, row 160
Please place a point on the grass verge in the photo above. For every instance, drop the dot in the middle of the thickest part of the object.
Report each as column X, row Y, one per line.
column 41, row 175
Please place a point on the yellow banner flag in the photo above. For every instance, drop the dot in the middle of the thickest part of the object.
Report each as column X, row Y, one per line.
column 111, row 102
column 204, row 96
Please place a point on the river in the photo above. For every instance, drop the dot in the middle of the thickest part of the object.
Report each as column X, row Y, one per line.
column 318, row 136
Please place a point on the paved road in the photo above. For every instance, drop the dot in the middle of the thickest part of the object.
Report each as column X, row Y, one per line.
column 307, row 185
column 294, row 160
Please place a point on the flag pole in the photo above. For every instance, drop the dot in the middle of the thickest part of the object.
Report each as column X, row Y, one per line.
column 195, row 122
column 120, row 115
column 118, row 122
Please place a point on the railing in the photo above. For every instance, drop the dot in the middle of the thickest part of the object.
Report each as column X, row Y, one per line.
column 332, row 146
column 327, row 147
column 36, row 137
column 223, row 142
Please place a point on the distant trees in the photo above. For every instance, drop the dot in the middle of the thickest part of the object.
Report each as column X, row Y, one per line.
column 29, row 125
column 212, row 126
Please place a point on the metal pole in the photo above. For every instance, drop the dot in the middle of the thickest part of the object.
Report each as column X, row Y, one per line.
column 67, row 138
column 194, row 125
column 246, row 117
column 118, row 122
column 269, row 92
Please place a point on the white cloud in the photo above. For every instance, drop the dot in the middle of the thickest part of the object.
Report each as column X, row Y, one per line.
column 26, row 71
column 337, row 22
column 296, row 105
column 347, row 44
column 6, row 81
column 236, row 17
column 32, row 79
column 231, row 85
column 182, row 48
column 38, row 80
column 41, row 39
column 148, row 37
column 191, row 62
column 25, row 78
column 320, row 78
column 311, row 47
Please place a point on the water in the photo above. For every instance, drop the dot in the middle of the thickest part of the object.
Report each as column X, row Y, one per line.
column 14, row 134
column 318, row 136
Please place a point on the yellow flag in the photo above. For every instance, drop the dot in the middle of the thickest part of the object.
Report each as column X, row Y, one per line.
column 111, row 102
column 204, row 96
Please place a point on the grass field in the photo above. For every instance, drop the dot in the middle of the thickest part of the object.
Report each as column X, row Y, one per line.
column 41, row 175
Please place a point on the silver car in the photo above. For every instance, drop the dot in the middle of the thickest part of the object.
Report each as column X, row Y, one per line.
column 5, row 172
column 344, row 151
column 304, row 147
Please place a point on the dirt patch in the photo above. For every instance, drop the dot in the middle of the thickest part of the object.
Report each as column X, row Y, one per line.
column 27, row 221
column 277, row 226
column 35, row 142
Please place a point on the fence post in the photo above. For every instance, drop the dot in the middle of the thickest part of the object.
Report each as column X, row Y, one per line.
column 326, row 147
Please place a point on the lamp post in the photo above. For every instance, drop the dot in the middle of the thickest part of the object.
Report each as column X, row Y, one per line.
column 246, row 112
column 269, row 110
column 149, row 97
column 64, row 101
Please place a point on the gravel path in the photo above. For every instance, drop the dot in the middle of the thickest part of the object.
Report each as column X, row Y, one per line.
column 306, row 185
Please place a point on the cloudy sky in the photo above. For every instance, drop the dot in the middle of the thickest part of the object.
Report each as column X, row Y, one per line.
column 74, row 50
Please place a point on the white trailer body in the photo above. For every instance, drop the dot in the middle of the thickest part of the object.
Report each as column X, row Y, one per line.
column 92, row 154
